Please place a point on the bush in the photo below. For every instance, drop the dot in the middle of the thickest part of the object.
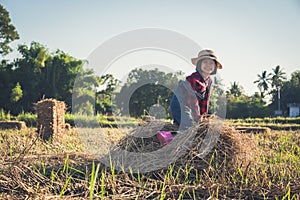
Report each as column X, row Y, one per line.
column 4, row 116
column 29, row 118
column 99, row 121
column 81, row 120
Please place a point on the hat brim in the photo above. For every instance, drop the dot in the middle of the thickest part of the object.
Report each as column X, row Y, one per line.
column 195, row 60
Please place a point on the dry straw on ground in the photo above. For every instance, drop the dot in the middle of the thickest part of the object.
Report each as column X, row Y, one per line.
column 33, row 169
column 50, row 118
column 208, row 144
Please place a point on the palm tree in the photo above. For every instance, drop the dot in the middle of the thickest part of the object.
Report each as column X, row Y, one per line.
column 278, row 76
column 235, row 89
column 277, row 79
column 263, row 82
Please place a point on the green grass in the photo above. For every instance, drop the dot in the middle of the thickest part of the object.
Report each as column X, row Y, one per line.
column 29, row 118
column 79, row 120
column 268, row 120
column 269, row 125
column 278, row 123
column 104, row 121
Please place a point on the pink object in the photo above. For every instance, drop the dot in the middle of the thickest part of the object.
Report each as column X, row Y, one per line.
column 164, row 137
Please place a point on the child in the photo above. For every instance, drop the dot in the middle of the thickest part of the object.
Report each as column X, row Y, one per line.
column 190, row 102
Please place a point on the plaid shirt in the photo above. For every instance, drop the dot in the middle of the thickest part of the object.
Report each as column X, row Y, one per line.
column 198, row 102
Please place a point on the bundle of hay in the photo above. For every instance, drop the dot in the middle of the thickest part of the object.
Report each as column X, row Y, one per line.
column 50, row 118
column 208, row 144
column 143, row 139
column 217, row 145
column 13, row 125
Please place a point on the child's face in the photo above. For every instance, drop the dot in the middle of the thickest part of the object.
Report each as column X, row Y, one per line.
column 208, row 66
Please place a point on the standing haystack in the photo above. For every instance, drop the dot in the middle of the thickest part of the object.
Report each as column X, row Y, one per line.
column 50, row 118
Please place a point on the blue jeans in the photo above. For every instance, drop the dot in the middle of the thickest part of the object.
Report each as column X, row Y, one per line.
column 181, row 113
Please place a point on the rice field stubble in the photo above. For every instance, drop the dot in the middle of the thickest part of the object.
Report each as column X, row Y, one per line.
column 33, row 169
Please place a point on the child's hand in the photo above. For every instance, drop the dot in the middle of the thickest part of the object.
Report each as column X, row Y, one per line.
column 202, row 118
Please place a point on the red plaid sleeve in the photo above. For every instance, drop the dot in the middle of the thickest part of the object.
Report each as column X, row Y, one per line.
column 202, row 102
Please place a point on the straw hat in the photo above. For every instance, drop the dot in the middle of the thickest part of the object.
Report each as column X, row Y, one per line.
column 207, row 53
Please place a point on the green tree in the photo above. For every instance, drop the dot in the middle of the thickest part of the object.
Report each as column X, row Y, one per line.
column 16, row 93
column 290, row 91
column 41, row 74
column 258, row 107
column 246, row 106
column 235, row 90
column 278, row 76
column 50, row 75
column 146, row 88
column 27, row 71
column 8, row 32
column 6, row 83
column 104, row 103
column 239, row 105
column 84, row 93
column 217, row 99
column 59, row 75
column 263, row 82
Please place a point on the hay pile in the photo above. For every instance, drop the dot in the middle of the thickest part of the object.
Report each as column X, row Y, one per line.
column 208, row 144
column 50, row 118
column 20, row 125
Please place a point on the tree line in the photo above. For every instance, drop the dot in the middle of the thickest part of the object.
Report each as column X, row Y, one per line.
column 39, row 74
column 275, row 93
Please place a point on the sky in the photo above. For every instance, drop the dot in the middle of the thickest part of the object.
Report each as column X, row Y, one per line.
column 247, row 36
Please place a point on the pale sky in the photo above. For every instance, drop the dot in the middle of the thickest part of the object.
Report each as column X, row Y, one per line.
column 247, row 36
